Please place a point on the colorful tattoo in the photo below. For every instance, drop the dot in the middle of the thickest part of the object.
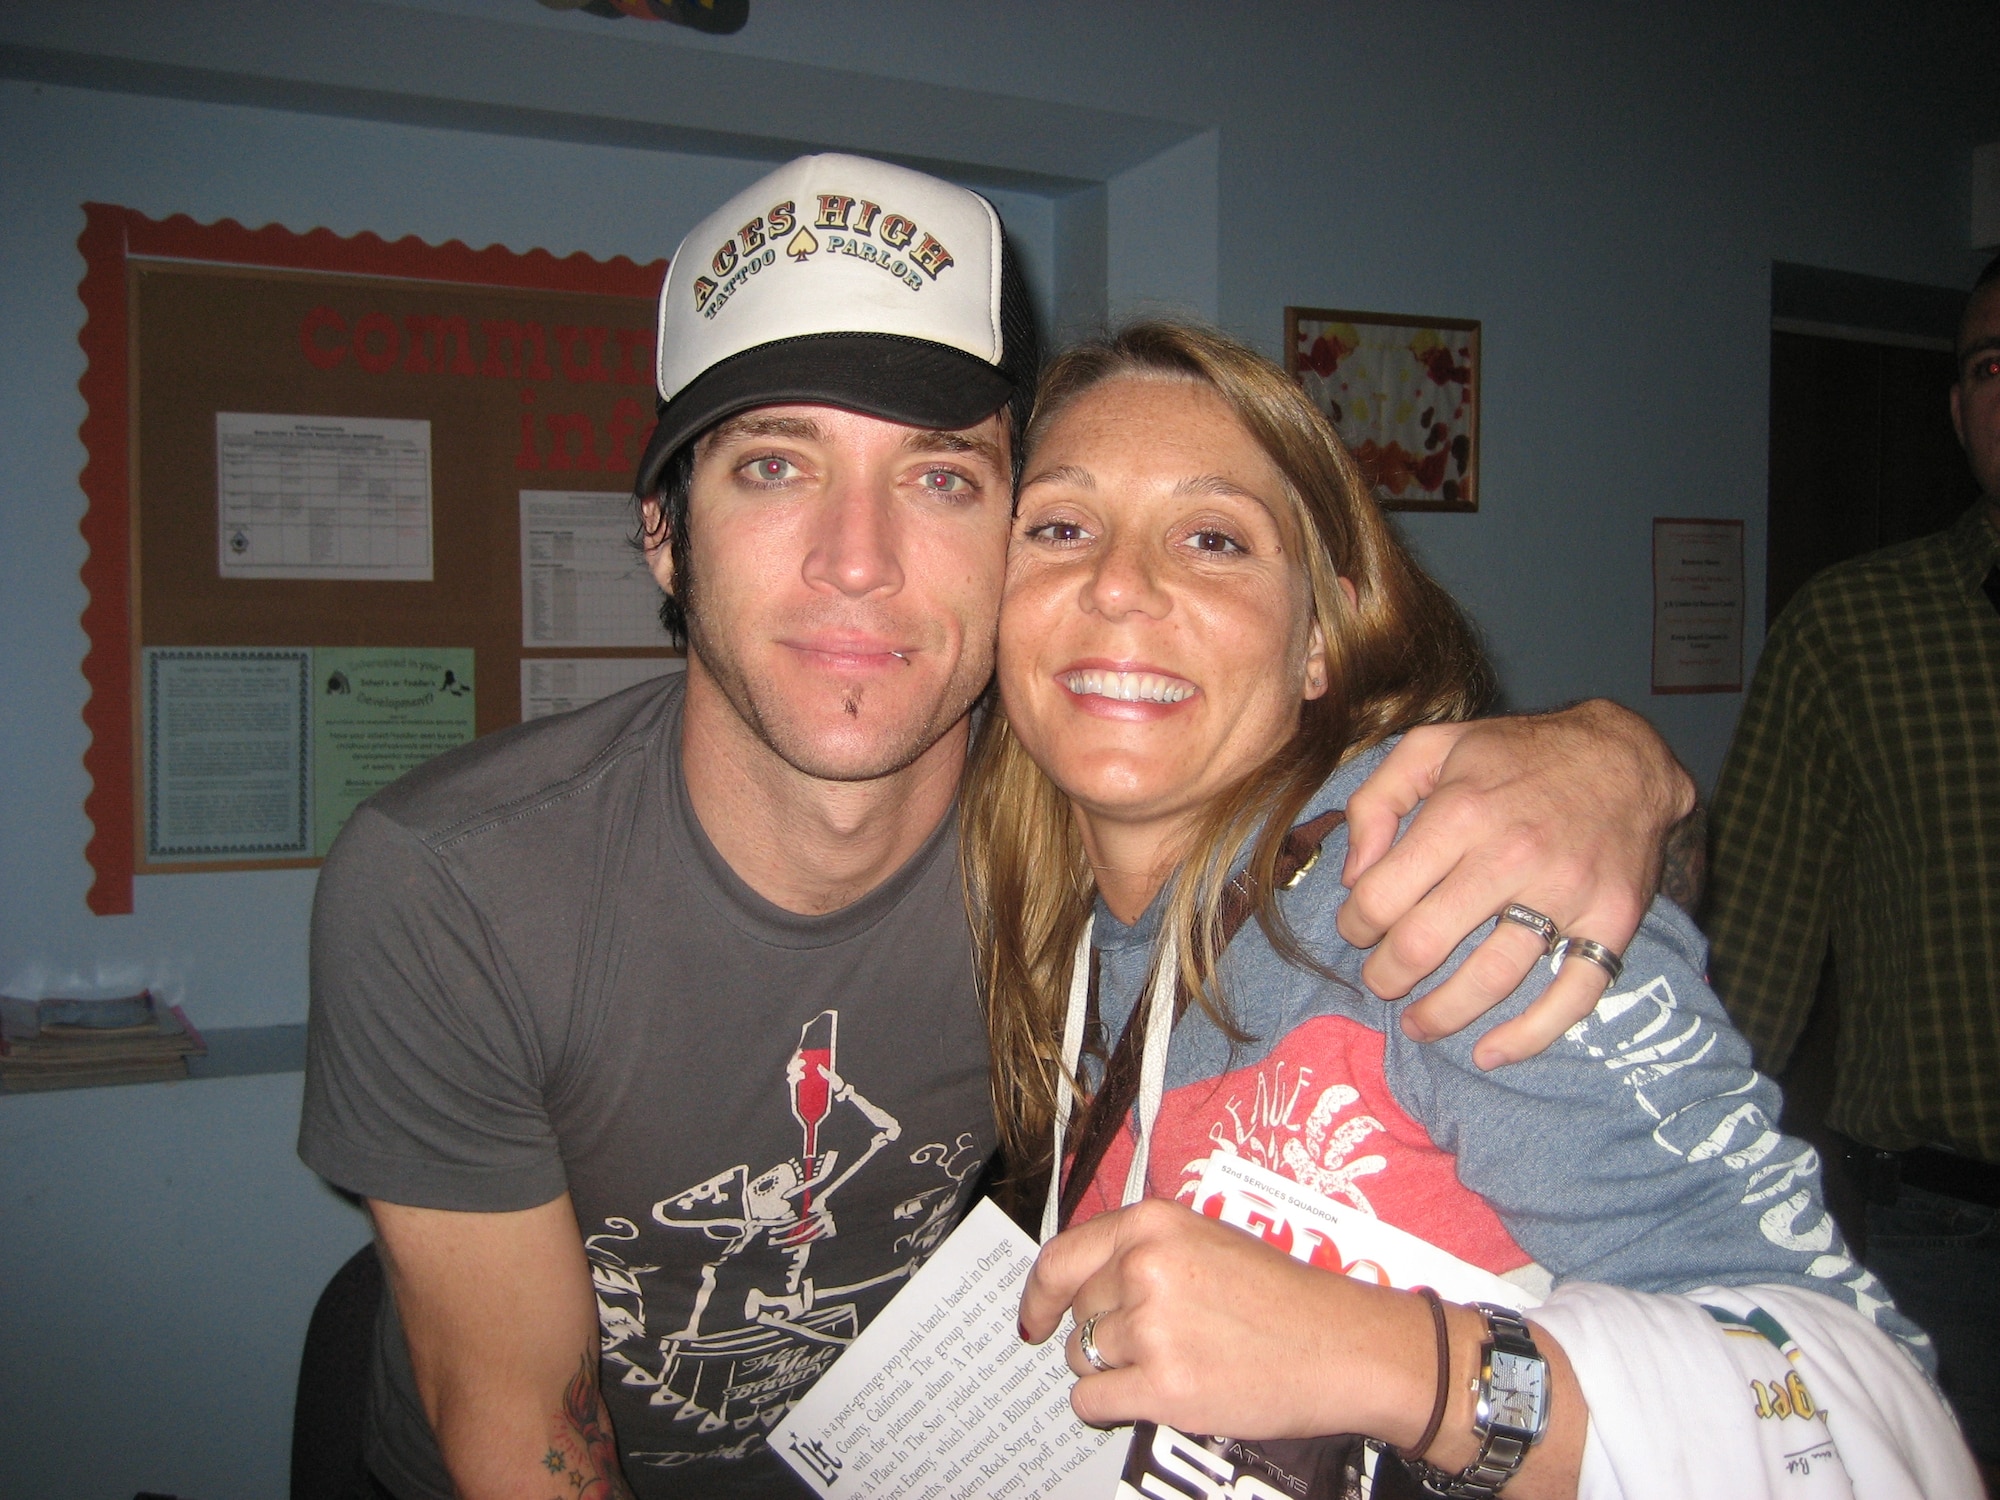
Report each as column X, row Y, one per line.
column 582, row 1447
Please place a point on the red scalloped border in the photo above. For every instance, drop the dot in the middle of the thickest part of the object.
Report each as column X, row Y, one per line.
column 111, row 236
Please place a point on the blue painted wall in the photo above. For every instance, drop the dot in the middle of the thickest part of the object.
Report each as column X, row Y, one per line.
column 1604, row 186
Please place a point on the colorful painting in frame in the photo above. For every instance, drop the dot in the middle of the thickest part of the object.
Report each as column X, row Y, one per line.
column 1403, row 392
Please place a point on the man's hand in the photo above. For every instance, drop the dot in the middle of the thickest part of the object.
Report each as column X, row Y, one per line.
column 1565, row 813
column 502, row 1327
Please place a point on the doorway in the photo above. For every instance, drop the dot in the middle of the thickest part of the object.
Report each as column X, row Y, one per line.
column 1862, row 451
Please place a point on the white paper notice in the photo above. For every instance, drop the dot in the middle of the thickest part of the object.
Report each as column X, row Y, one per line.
column 1697, row 606
column 557, row 684
column 323, row 497
column 1321, row 1232
column 939, row 1399
column 582, row 584
column 228, row 753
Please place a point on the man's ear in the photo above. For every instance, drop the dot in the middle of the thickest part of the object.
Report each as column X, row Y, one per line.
column 659, row 555
column 1957, row 413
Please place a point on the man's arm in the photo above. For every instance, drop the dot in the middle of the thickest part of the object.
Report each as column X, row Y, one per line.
column 1780, row 837
column 502, row 1327
column 1565, row 813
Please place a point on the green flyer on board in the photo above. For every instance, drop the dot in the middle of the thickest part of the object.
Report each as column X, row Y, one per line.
column 378, row 712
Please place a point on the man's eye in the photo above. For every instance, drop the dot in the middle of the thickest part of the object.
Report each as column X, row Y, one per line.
column 1985, row 368
column 946, row 482
column 771, row 469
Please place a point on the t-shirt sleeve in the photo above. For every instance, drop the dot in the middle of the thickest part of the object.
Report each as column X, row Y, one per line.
column 1642, row 1148
column 423, row 1073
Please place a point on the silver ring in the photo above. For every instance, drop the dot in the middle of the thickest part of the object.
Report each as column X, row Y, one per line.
column 1086, row 1340
column 1526, row 916
column 1589, row 952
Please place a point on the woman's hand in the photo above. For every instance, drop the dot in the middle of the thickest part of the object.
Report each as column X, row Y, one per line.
column 1212, row 1331
column 1566, row 813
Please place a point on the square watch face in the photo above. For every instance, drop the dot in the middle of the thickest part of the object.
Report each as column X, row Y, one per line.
column 1516, row 1391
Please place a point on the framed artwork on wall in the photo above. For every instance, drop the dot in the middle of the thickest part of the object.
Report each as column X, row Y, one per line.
column 1403, row 392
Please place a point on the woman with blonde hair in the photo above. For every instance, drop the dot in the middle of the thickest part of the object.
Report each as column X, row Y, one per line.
column 1209, row 637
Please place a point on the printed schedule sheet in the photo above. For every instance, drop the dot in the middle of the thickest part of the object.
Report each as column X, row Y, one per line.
column 323, row 497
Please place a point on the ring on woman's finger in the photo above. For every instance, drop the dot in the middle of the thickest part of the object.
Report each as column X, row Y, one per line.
column 1590, row 952
column 1086, row 1340
column 1541, row 926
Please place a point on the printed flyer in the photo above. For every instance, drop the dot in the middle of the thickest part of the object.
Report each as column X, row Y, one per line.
column 939, row 1399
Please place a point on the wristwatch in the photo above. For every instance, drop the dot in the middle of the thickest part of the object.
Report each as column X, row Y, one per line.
column 1512, row 1414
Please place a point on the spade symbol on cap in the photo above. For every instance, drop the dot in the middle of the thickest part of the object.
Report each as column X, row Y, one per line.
column 802, row 244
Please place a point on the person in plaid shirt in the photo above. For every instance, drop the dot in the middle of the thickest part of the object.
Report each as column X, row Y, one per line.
column 1860, row 802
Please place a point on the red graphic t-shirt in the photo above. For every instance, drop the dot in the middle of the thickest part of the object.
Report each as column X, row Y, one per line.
column 1316, row 1109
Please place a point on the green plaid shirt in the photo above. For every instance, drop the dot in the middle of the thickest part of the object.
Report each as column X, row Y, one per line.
column 1861, row 802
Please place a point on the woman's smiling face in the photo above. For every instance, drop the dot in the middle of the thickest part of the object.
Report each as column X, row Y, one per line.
column 1156, row 634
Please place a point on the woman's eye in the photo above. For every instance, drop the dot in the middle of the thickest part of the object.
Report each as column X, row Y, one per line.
column 1062, row 533
column 1209, row 540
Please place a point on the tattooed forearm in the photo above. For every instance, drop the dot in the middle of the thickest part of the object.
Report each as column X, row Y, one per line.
column 1685, row 870
column 583, row 1452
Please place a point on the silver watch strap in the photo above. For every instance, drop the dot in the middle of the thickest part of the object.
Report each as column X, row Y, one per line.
column 1501, row 1454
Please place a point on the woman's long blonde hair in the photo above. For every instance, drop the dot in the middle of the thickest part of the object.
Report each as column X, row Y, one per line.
column 1402, row 655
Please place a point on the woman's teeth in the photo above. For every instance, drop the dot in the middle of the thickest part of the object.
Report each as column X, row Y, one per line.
column 1128, row 687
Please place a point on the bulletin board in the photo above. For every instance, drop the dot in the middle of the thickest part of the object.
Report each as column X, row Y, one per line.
column 317, row 462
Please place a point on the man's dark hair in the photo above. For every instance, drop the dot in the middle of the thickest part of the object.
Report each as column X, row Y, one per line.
column 676, row 485
column 1988, row 277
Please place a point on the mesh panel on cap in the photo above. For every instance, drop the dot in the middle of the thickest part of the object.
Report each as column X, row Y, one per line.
column 1020, row 343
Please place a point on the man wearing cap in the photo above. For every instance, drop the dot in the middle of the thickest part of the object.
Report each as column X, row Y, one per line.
column 649, row 1031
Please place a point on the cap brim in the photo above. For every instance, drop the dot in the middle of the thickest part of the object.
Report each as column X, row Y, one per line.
column 880, row 375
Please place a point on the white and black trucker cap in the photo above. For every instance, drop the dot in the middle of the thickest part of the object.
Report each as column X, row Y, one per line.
column 848, row 282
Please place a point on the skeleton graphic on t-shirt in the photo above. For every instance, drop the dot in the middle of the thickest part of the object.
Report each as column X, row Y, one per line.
column 758, row 1330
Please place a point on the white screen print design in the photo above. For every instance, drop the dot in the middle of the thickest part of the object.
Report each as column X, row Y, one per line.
column 1644, row 1036
column 323, row 497
column 757, row 1331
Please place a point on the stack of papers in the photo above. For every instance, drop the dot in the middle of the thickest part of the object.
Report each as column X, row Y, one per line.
column 67, row 1044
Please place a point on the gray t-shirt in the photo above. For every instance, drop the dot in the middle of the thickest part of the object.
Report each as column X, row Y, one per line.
column 532, row 972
